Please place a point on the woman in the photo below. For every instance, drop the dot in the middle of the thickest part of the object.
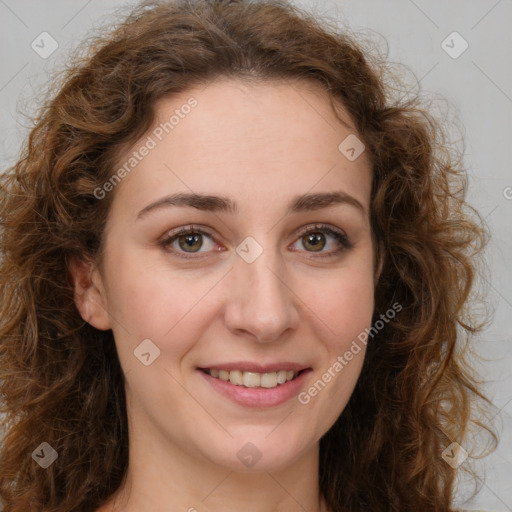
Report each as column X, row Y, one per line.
column 139, row 375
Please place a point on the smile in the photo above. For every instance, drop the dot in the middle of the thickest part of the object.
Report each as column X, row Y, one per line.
column 265, row 389
column 253, row 379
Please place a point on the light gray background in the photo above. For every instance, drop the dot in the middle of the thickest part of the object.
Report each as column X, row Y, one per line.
column 477, row 85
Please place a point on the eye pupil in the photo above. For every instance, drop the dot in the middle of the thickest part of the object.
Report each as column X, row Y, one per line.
column 190, row 241
column 314, row 239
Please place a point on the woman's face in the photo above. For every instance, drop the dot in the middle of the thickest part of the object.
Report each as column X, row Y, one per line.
column 265, row 285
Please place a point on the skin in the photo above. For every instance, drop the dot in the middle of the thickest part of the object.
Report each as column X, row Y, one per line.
column 261, row 145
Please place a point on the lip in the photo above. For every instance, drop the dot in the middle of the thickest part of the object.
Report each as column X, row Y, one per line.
column 257, row 397
column 248, row 366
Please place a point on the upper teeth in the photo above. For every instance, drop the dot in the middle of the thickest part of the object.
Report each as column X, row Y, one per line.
column 253, row 379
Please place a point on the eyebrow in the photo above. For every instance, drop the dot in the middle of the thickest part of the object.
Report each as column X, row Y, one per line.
column 214, row 203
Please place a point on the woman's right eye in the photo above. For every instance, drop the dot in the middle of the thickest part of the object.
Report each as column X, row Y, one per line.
column 185, row 239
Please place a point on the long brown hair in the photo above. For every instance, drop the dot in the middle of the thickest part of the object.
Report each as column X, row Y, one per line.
column 61, row 381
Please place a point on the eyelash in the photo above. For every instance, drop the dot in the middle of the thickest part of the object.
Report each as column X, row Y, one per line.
column 317, row 228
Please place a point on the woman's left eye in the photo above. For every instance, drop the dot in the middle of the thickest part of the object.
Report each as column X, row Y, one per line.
column 190, row 241
column 315, row 237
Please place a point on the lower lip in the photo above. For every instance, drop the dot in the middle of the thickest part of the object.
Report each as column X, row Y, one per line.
column 257, row 397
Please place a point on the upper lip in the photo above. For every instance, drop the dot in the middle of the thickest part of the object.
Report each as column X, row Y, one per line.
column 248, row 366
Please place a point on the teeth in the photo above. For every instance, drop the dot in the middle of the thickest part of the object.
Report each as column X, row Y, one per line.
column 236, row 377
column 282, row 376
column 253, row 379
column 250, row 379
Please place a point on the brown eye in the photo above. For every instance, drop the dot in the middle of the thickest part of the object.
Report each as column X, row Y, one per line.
column 314, row 240
column 187, row 241
column 317, row 238
column 191, row 241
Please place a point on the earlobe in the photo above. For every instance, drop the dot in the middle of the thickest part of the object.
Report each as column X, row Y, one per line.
column 89, row 294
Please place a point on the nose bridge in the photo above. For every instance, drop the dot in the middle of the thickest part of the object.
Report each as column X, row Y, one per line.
column 262, row 301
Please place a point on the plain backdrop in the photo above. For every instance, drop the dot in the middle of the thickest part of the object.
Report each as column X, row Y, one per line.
column 471, row 70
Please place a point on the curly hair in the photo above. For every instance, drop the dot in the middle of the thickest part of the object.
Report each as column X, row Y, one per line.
column 61, row 381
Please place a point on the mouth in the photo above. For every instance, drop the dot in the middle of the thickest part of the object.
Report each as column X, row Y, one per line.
column 267, row 380
column 250, row 384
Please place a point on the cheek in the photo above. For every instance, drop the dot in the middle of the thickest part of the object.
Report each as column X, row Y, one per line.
column 169, row 307
column 141, row 293
column 344, row 304
column 342, row 309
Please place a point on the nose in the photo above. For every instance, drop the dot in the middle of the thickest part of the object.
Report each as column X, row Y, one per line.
column 261, row 302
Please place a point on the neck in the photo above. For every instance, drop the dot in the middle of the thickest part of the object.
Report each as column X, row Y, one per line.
column 164, row 476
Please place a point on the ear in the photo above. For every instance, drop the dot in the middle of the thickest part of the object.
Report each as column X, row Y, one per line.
column 90, row 297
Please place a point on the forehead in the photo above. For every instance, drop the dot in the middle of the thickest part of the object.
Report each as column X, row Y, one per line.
column 261, row 140
column 255, row 110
